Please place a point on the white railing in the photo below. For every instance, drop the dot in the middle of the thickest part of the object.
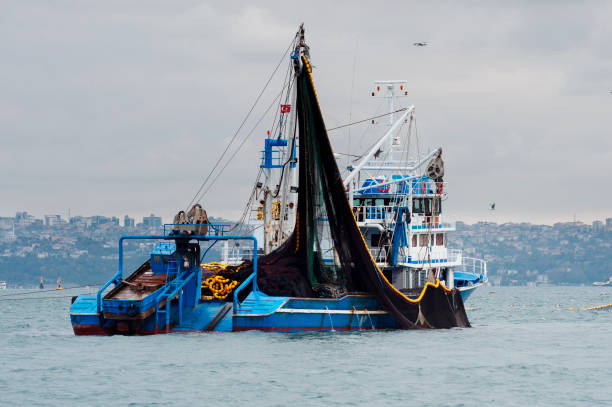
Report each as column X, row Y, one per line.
column 434, row 257
column 473, row 265
column 379, row 254
column 236, row 255
column 433, row 222
column 374, row 213
column 404, row 186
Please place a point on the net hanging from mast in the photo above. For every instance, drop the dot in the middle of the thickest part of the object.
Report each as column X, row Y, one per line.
column 326, row 255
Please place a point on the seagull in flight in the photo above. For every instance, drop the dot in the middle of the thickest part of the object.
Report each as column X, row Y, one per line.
column 421, row 44
column 492, row 206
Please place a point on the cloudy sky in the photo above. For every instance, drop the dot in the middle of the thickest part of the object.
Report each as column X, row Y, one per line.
column 114, row 107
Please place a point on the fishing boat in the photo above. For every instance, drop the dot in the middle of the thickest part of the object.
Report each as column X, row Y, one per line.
column 320, row 267
column 2, row 285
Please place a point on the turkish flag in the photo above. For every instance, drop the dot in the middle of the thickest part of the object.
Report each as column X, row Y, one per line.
column 285, row 108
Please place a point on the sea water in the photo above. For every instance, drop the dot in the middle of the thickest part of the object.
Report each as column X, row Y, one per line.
column 527, row 347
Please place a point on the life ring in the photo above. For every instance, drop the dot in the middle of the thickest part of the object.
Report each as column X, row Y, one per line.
column 384, row 188
column 440, row 188
column 423, row 187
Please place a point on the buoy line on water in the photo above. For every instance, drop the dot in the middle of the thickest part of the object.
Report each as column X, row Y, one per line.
column 595, row 308
column 49, row 290
column 42, row 298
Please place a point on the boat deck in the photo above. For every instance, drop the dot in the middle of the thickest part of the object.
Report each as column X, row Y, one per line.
column 139, row 287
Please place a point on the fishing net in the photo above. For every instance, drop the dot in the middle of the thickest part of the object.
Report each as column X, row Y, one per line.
column 326, row 255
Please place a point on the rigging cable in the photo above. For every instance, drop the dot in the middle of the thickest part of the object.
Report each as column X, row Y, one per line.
column 242, row 124
column 368, row 119
column 239, row 147
column 238, row 225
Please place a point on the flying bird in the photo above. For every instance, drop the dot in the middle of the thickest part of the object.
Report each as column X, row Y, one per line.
column 492, row 206
column 421, row 44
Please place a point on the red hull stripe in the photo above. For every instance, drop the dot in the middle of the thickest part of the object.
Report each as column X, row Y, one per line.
column 90, row 330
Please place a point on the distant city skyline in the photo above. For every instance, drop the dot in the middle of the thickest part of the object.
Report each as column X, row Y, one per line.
column 605, row 221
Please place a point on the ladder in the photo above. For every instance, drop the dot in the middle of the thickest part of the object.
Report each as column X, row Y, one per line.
column 171, row 289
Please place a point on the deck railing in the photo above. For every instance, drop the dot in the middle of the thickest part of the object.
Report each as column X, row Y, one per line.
column 474, row 266
column 118, row 276
column 422, row 256
column 430, row 222
column 373, row 213
column 404, row 186
column 214, row 229
column 236, row 255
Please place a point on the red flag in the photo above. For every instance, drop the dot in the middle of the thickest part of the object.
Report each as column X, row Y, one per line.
column 285, row 108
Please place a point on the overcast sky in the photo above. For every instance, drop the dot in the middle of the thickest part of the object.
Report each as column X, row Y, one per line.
column 114, row 107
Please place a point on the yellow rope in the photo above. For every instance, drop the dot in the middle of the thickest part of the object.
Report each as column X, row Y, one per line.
column 213, row 266
column 596, row 308
column 219, row 286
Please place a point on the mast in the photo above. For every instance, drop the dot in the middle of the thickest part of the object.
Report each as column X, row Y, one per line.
column 280, row 192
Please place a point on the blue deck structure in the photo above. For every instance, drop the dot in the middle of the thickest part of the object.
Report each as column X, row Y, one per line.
column 177, row 306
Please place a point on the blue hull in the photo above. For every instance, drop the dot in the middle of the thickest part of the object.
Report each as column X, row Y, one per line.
column 467, row 291
column 257, row 312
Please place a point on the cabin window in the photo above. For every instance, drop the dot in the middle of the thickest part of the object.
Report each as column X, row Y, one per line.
column 367, row 202
column 379, row 202
column 356, row 202
column 157, row 259
column 440, row 239
column 414, row 241
column 436, row 206
column 421, row 205
column 416, row 205
column 423, row 240
column 376, row 240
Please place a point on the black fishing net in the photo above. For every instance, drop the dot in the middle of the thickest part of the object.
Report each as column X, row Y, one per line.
column 326, row 255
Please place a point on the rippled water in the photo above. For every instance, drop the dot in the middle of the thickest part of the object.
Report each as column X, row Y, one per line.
column 526, row 347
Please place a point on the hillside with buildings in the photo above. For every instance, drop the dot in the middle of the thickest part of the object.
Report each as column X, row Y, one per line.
column 523, row 253
column 83, row 250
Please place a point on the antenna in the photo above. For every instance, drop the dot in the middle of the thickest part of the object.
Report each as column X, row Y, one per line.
column 390, row 95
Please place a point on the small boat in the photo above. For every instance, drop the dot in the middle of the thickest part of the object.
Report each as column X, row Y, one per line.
column 59, row 284
column 2, row 285
column 603, row 283
column 315, row 271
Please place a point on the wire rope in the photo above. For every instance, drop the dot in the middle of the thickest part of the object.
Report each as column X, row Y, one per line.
column 368, row 119
column 239, row 148
column 195, row 197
